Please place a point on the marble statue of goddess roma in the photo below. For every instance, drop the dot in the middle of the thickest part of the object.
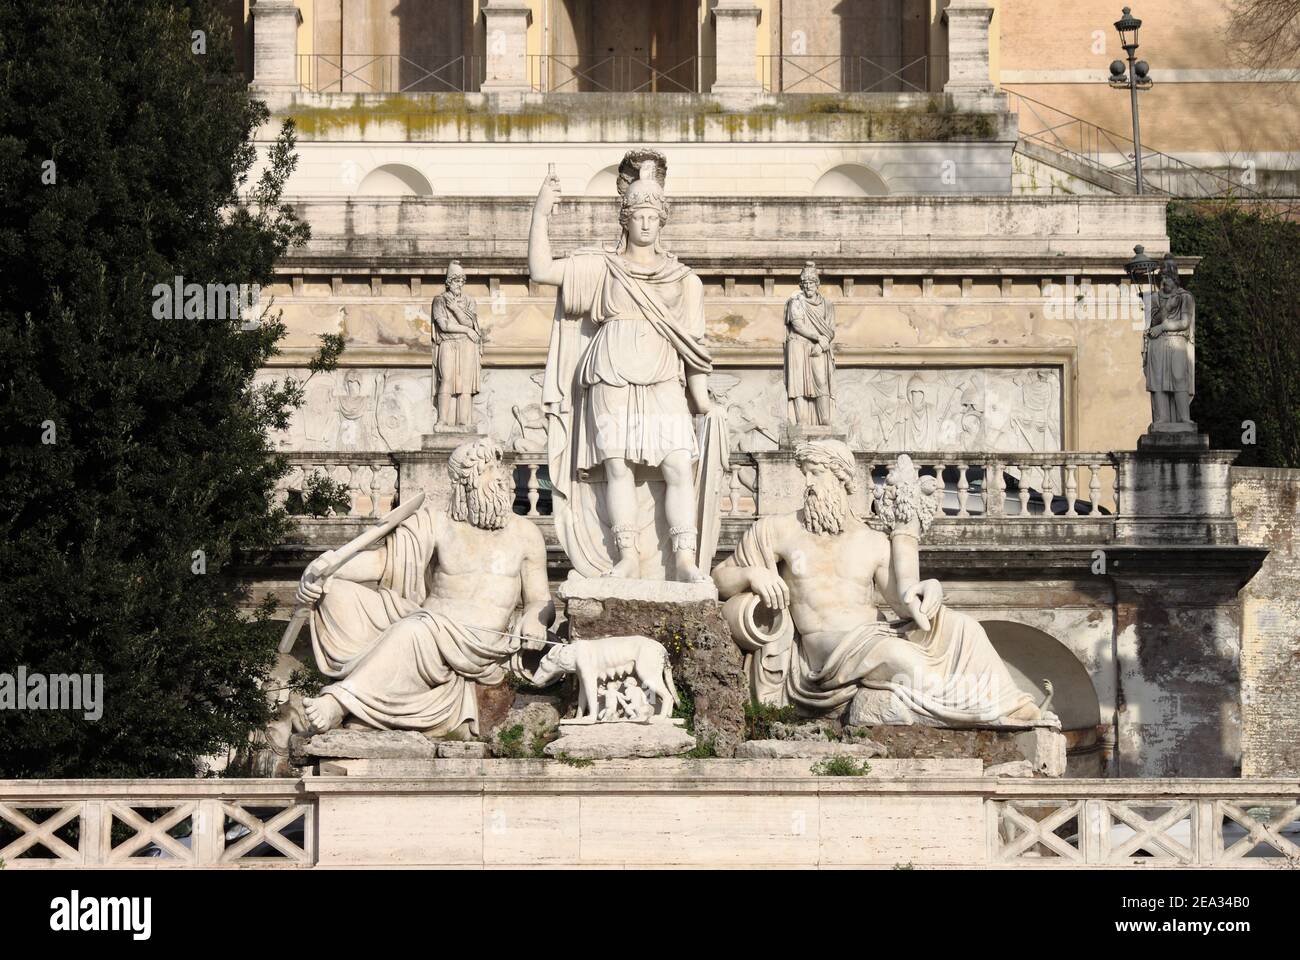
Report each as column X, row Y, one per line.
column 819, row 642
column 406, row 653
column 626, row 370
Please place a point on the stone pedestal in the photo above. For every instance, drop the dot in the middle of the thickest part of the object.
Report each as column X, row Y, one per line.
column 505, row 24
column 735, row 31
column 619, row 740
column 969, row 81
column 1174, row 489
column 426, row 469
column 275, row 45
column 687, row 619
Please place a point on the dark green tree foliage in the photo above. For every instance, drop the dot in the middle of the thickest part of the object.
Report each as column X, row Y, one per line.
column 160, row 438
column 1247, row 325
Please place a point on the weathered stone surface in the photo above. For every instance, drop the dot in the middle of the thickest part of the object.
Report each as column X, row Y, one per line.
column 1044, row 748
column 612, row 741
column 822, row 730
column 524, row 731
column 707, row 666
column 811, row 749
column 917, row 742
column 494, row 704
column 364, row 745
column 1014, row 768
column 463, row 750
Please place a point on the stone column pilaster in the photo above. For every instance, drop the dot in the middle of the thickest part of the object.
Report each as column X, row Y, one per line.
column 735, row 31
column 969, row 80
column 506, row 32
column 275, row 44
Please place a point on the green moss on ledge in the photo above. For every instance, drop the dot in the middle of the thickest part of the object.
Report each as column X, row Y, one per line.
column 463, row 117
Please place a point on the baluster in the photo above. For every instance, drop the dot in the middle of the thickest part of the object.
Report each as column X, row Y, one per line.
column 1094, row 488
column 354, row 489
column 1071, row 487
column 734, row 491
column 999, row 508
column 374, row 489
column 534, row 491
column 963, row 490
column 1049, row 489
column 1115, row 489
column 1024, row 491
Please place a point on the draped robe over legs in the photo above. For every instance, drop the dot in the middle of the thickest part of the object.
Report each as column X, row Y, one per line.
column 1171, row 357
column 399, row 664
column 623, row 342
column 809, row 376
column 947, row 677
column 459, row 358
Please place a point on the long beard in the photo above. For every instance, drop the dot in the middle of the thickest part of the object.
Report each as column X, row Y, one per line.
column 489, row 507
column 825, row 505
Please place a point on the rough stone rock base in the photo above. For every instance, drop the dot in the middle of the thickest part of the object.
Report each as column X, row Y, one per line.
column 806, row 749
column 1043, row 748
column 343, row 744
column 614, row 741
column 687, row 619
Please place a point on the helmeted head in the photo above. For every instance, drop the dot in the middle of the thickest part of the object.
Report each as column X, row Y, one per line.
column 482, row 488
column 830, row 477
column 455, row 278
column 643, row 209
column 809, row 281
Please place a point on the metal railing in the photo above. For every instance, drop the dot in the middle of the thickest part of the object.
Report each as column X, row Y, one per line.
column 1111, row 153
column 886, row 73
column 615, row 73
column 388, row 73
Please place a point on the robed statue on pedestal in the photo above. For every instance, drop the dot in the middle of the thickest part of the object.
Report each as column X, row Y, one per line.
column 635, row 477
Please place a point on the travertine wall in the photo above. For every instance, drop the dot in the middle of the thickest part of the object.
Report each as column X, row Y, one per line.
column 1267, row 505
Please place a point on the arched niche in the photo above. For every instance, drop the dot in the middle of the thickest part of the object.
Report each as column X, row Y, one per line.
column 395, row 180
column 850, row 180
column 604, row 183
column 1033, row 656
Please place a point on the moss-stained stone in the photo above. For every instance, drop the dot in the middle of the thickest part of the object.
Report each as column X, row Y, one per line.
column 469, row 117
column 707, row 665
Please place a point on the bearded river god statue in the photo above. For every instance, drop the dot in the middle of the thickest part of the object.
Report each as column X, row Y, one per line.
column 406, row 654
column 635, row 481
column 802, row 609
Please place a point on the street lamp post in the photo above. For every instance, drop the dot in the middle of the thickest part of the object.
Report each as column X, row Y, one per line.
column 1135, row 77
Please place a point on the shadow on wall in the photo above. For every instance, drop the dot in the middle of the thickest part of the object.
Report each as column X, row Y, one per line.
column 1033, row 656
column 850, row 180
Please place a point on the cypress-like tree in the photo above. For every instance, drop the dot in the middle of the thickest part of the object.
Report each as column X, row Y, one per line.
column 133, row 442
column 1247, row 325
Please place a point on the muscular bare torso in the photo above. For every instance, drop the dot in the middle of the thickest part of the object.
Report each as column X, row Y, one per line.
column 831, row 579
column 476, row 579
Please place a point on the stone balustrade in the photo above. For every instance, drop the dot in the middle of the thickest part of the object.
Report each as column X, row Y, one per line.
column 370, row 478
column 652, row 812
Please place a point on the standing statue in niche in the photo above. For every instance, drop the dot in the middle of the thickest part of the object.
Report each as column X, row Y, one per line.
column 635, row 488
column 810, row 352
column 1170, row 361
column 457, row 351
